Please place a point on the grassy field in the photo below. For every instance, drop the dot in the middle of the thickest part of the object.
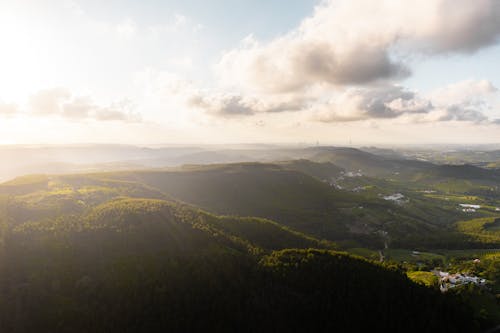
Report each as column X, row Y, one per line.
column 482, row 229
column 403, row 255
column 425, row 278
column 363, row 252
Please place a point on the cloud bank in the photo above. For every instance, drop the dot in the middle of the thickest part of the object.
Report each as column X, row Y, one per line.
column 345, row 63
column 8, row 109
column 228, row 105
column 357, row 42
column 60, row 102
column 461, row 101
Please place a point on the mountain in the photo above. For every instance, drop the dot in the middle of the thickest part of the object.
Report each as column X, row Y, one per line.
column 246, row 246
column 309, row 204
column 292, row 198
column 369, row 164
column 464, row 172
column 389, row 166
column 324, row 171
column 149, row 265
column 373, row 162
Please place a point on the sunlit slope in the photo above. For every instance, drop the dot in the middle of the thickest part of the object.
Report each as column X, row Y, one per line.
column 124, row 213
column 485, row 229
column 279, row 192
column 401, row 169
column 352, row 159
column 250, row 189
column 295, row 199
column 322, row 171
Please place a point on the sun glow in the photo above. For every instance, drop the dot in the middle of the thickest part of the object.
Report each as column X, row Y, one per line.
column 22, row 65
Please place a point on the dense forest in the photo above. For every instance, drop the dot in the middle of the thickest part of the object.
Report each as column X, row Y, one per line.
column 136, row 265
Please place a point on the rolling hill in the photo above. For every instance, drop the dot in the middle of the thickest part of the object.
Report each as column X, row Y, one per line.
column 390, row 166
column 91, row 252
column 149, row 265
column 292, row 198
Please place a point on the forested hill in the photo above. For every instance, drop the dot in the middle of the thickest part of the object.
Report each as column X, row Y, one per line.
column 398, row 167
column 296, row 194
column 300, row 195
column 182, row 250
column 147, row 265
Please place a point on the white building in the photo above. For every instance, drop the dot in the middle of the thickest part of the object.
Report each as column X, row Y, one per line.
column 470, row 206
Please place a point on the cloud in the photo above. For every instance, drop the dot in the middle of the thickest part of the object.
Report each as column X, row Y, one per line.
column 177, row 23
column 225, row 105
column 342, row 64
column 228, row 105
column 457, row 25
column 462, row 101
column 127, row 28
column 48, row 101
column 60, row 102
column 364, row 104
column 290, row 64
column 118, row 111
column 464, row 90
column 8, row 109
column 467, row 100
column 77, row 108
column 358, row 42
column 460, row 112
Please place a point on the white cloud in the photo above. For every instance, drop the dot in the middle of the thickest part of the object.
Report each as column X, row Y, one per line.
column 127, row 28
column 349, row 42
column 48, row 101
column 60, row 102
column 466, row 100
column 8, row 109
column 464, row 90
column 293, row 63
column 364, row 104
column 228, row 105
column 341, row 64
column 455, row 25
column 461, row 101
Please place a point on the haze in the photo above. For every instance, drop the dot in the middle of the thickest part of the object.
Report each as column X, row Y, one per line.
column 362, row 71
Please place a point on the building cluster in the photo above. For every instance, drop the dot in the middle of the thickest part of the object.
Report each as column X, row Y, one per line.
column 448, row 280
column 468, row 208
column 397, row 198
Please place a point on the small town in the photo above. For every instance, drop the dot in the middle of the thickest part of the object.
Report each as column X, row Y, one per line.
column 448, row 280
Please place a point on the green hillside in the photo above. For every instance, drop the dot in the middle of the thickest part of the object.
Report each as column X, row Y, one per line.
column 352, row 159
column 292, row 198
column 148, row 265
column 313, row 206
column 322, row 171
column 91, row 252
column 401, row 169
column 251, row 189
column 486, row 230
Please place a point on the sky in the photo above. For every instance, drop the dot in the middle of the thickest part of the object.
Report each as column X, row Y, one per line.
column 260, row 71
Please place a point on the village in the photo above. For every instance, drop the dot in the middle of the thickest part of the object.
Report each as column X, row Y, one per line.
column 448, row 280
